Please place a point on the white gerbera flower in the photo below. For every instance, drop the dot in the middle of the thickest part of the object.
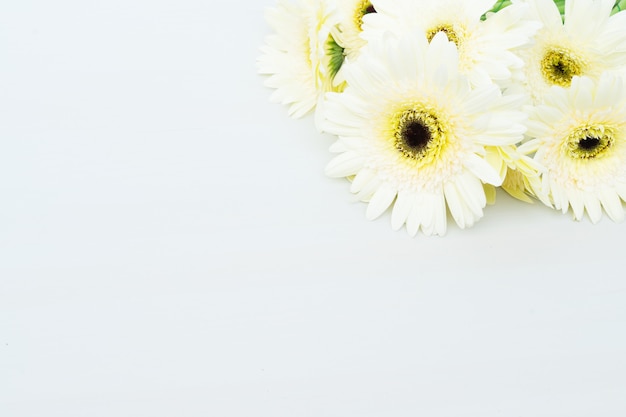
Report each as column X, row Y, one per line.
column 580, row 138
column 587, row 42
column 486, row 47
column 302, row 57
column 348, row 33
column 413, row 132
column 521, row 174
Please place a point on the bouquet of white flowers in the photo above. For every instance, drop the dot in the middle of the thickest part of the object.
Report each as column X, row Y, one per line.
column 435, row 103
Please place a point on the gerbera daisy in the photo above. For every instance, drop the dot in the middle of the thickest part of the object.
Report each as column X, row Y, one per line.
column 486, row 46
column 579, row 135
column 348, row 31
column 521, row 174
column 302, row 57
column 587, row 41
column 412, row 132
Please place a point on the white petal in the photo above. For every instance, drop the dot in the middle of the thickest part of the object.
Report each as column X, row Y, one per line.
column 620, row 188
column 380, row 201
column 439, row 213
column 612, row 204
column 576, row 201
column 585, row 18
column 338, row 147
column 583, row 87
column 360, row 181
column 344, row 165
column 485, row 172
column 472, row 193
column 592, row 205
column 414, row 218
column 368, row 190
column 481, row 98
column 547, row 12
column 401, row 209
column 455, row 204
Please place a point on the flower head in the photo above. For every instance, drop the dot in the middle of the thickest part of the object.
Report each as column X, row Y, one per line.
column 521, row 173
column 351, row 17
column 486, row 46
column 412, row 132
column 587, row 41
column 579, row 135
column 301, row 57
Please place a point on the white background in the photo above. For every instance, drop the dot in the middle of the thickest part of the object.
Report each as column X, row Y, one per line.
column 169, row 246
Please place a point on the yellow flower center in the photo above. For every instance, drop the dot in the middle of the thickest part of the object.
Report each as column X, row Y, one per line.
column 589, row 142
column 452, row 34
column 364, row 7
column 560, row 65
column 419, row 134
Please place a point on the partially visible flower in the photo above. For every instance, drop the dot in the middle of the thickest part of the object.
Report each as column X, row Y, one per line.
column 412, row 132
column 351, row 18
column 301, row 57
column 587, row 41
column 486, row 46
column 521, row 174
column 579, row 135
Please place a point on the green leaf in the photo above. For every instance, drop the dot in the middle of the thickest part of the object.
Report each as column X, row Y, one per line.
column 336, row 54
column 619, row 6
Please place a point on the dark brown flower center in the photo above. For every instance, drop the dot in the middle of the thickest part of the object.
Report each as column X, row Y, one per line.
column 415, row 136
column 590, row 142
column 420, row 134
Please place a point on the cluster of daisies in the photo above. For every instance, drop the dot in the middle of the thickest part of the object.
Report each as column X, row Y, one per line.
column 436, row 103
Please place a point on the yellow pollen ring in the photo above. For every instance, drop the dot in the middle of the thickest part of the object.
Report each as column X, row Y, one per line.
column 364, row 7
column 420, row 134
column 559, row 66
column 588, row 142
column 448, row 29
